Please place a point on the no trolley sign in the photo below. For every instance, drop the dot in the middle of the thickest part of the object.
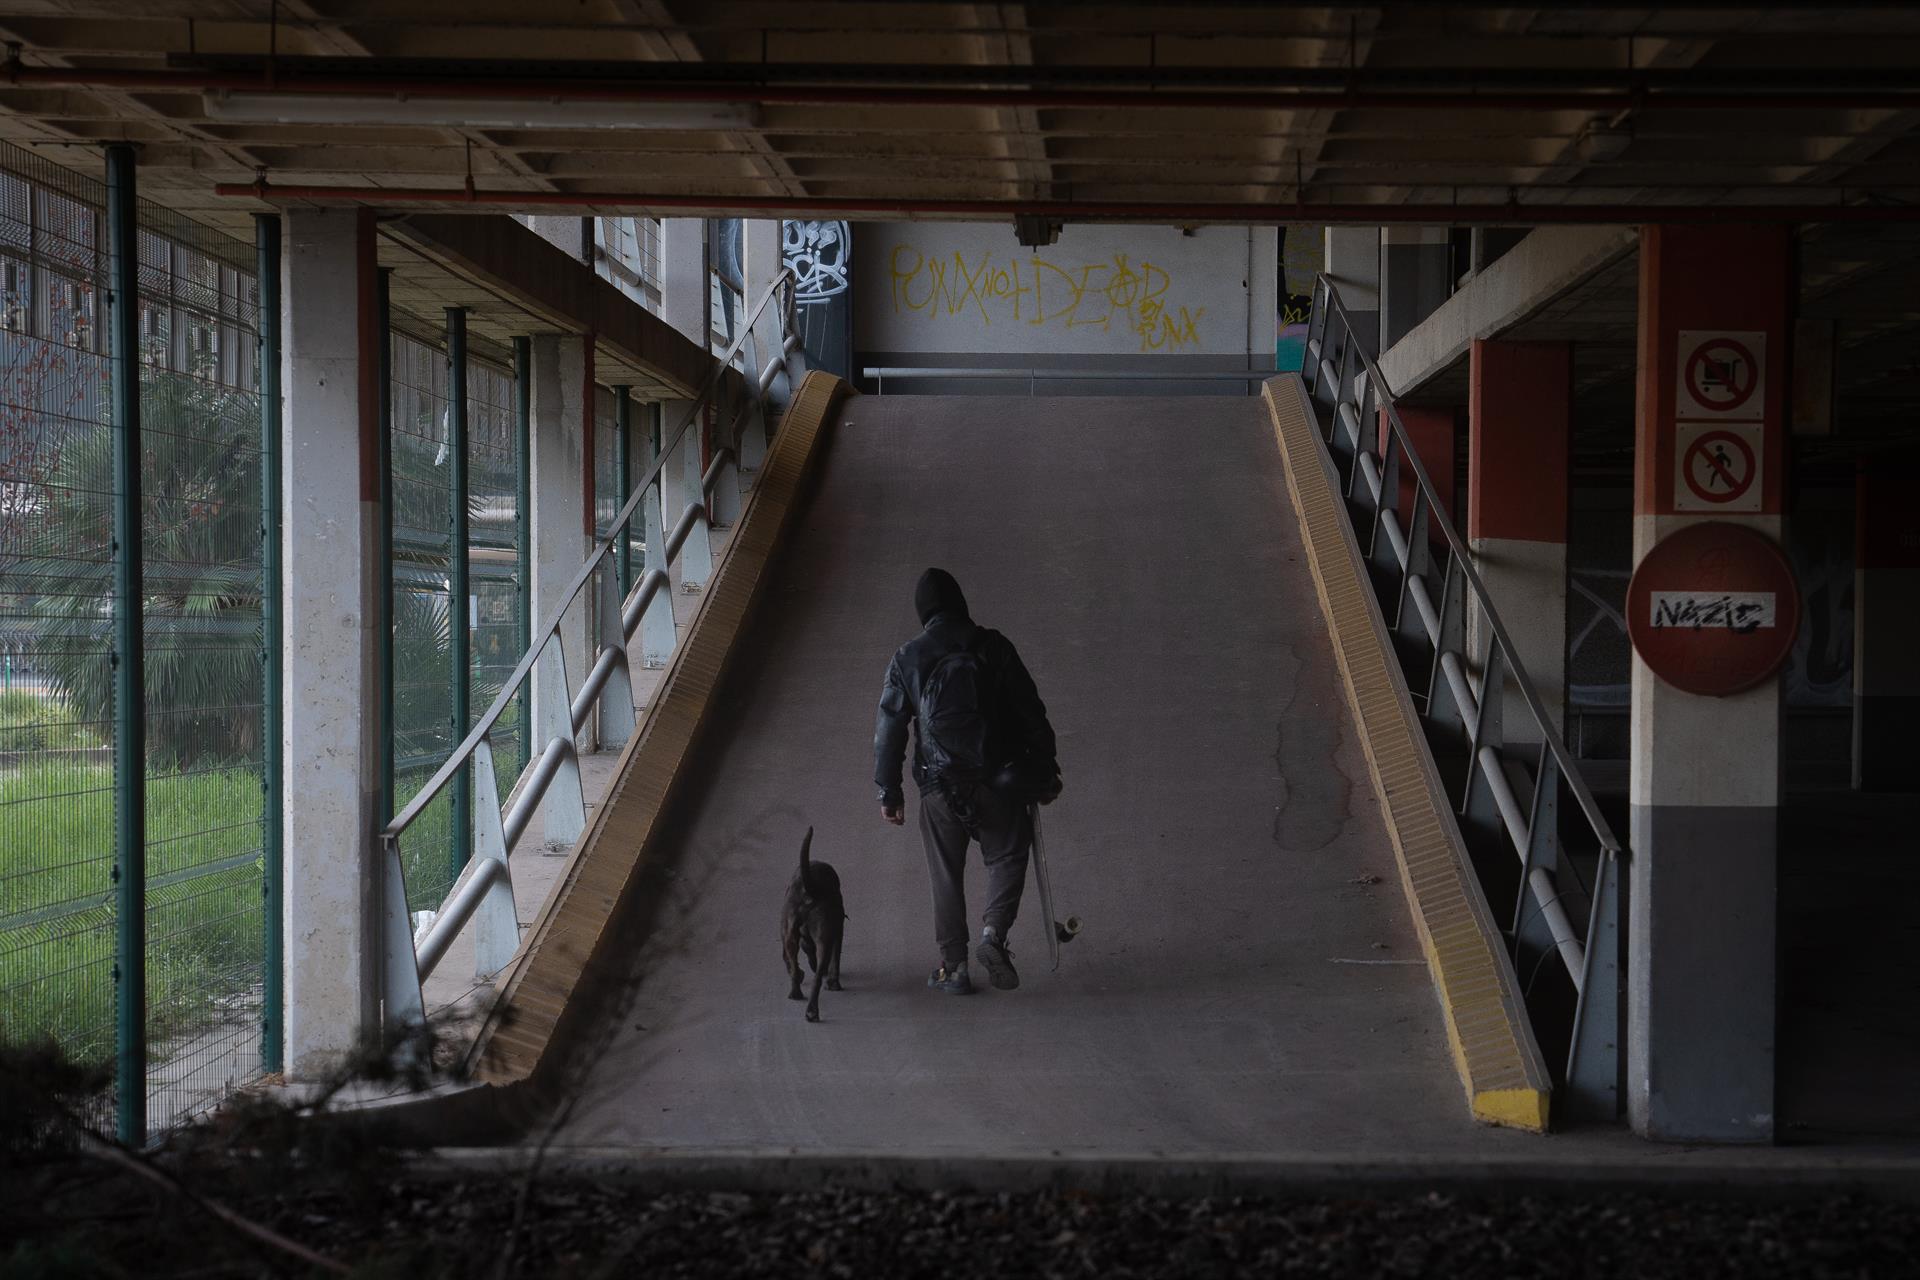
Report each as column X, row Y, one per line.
column 1713, row 609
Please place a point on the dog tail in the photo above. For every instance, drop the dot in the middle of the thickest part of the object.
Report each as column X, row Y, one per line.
column 805, row 845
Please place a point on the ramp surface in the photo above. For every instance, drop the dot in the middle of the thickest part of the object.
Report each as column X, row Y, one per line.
column 1248, row 981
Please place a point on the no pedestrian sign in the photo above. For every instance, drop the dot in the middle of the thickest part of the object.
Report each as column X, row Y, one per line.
column 1718, row 466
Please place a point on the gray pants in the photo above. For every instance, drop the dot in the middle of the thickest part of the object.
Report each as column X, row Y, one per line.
column 947, row 824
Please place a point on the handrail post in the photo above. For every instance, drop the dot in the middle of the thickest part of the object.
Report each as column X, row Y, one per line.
column 623, row 482
column 656, row 622
column 566, row 799
column 696, row 556
column 496, row 924
column 753, row 421
column 723, row 502
column 616, row 695
column 1531, row 937
column 1596, row 1057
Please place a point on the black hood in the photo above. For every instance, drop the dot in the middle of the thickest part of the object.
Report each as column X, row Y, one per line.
column 937, row 593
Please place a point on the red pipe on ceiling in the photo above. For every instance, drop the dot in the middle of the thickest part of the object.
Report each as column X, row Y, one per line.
column 1594, row 100
column 1084, row 211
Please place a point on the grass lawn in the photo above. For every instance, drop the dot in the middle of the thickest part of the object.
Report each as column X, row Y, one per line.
column 205, row 889
column 31, row 722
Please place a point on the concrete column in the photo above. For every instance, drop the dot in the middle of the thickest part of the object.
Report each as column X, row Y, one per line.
column 1263, row 295
column 686, row 294
column 1416, row 268
column 1353, row 264
column 560, row 515
column 1519, row 409
column 760, row 247
column 573, row 235
column 330, row 541
column 1886, row 626
column 1705, row 771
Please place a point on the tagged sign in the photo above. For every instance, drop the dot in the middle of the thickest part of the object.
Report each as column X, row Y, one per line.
column 1713, row 608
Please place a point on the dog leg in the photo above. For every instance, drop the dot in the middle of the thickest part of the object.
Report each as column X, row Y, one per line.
column 833, row 962
column 813, row 1001
column 790, row 946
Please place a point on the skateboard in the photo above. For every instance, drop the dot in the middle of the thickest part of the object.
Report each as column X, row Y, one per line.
column 1058, row 931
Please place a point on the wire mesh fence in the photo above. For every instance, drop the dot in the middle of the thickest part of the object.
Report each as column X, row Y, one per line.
column 422, row 638
column 493, row 476
column 200, row 524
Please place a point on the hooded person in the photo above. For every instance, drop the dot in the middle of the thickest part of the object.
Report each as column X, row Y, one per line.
column 983, row 751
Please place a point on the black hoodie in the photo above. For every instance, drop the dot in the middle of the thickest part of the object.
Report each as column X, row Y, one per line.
column 1020, row 732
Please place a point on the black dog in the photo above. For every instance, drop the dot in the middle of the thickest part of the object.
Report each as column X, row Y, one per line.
column 813, row 917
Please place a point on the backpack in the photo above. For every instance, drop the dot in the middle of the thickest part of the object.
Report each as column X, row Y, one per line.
column 956, row 715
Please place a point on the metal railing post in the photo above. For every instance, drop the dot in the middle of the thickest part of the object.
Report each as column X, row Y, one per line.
column 496, row 926
column 623, row 473
column 523, row 527
column 696, row 555
column 656, row 623
column 459, row 581
column 128, row 656
column 272, row 649
column 567, row 806
column 616, row 695
column 1595, row 1056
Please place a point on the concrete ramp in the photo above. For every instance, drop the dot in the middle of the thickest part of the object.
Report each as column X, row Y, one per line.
column 1249, row 979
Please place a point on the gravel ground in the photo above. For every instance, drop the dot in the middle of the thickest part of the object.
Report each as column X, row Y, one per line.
column 77, row 1219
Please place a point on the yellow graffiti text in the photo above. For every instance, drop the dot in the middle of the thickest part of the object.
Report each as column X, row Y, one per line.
column 1116, row 295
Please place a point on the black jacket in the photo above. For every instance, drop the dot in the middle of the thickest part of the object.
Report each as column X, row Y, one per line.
column 1020, row 732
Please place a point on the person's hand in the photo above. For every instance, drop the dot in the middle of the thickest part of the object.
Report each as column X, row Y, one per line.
column 896, row 814
column 1051, row 791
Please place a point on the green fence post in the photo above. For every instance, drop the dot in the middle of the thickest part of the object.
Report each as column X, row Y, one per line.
column 523, row 523
column 459, row 587
column 129, row 683
column 266, row 228
column 383, row 570
column 623, row 485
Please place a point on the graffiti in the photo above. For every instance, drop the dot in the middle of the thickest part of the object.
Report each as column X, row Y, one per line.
column 818, row 254
column 1115, row 295
column 1739, row 612
column 1302, row 253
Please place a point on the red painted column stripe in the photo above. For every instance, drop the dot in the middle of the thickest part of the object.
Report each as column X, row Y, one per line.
column 1519, row 409
column 1717, row 279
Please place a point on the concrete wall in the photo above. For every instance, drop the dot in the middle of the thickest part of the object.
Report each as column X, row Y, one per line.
column 1101, row 297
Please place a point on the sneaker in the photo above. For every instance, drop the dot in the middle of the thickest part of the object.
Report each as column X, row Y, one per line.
column 997, row 958
column 953, row 981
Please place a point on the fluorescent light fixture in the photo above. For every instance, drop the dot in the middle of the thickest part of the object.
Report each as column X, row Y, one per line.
column 237, row 107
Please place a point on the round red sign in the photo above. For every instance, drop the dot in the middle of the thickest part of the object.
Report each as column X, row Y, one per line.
column 1713, row 609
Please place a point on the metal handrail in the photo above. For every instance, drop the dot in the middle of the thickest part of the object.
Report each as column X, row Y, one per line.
column 497, row 831
column 1438, row 515
column 1011, row 373
column 622, row 522
column 1489, row 795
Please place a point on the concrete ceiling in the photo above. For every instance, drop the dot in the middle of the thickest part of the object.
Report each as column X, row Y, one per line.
column 1805, row 104
column 1861, row 279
